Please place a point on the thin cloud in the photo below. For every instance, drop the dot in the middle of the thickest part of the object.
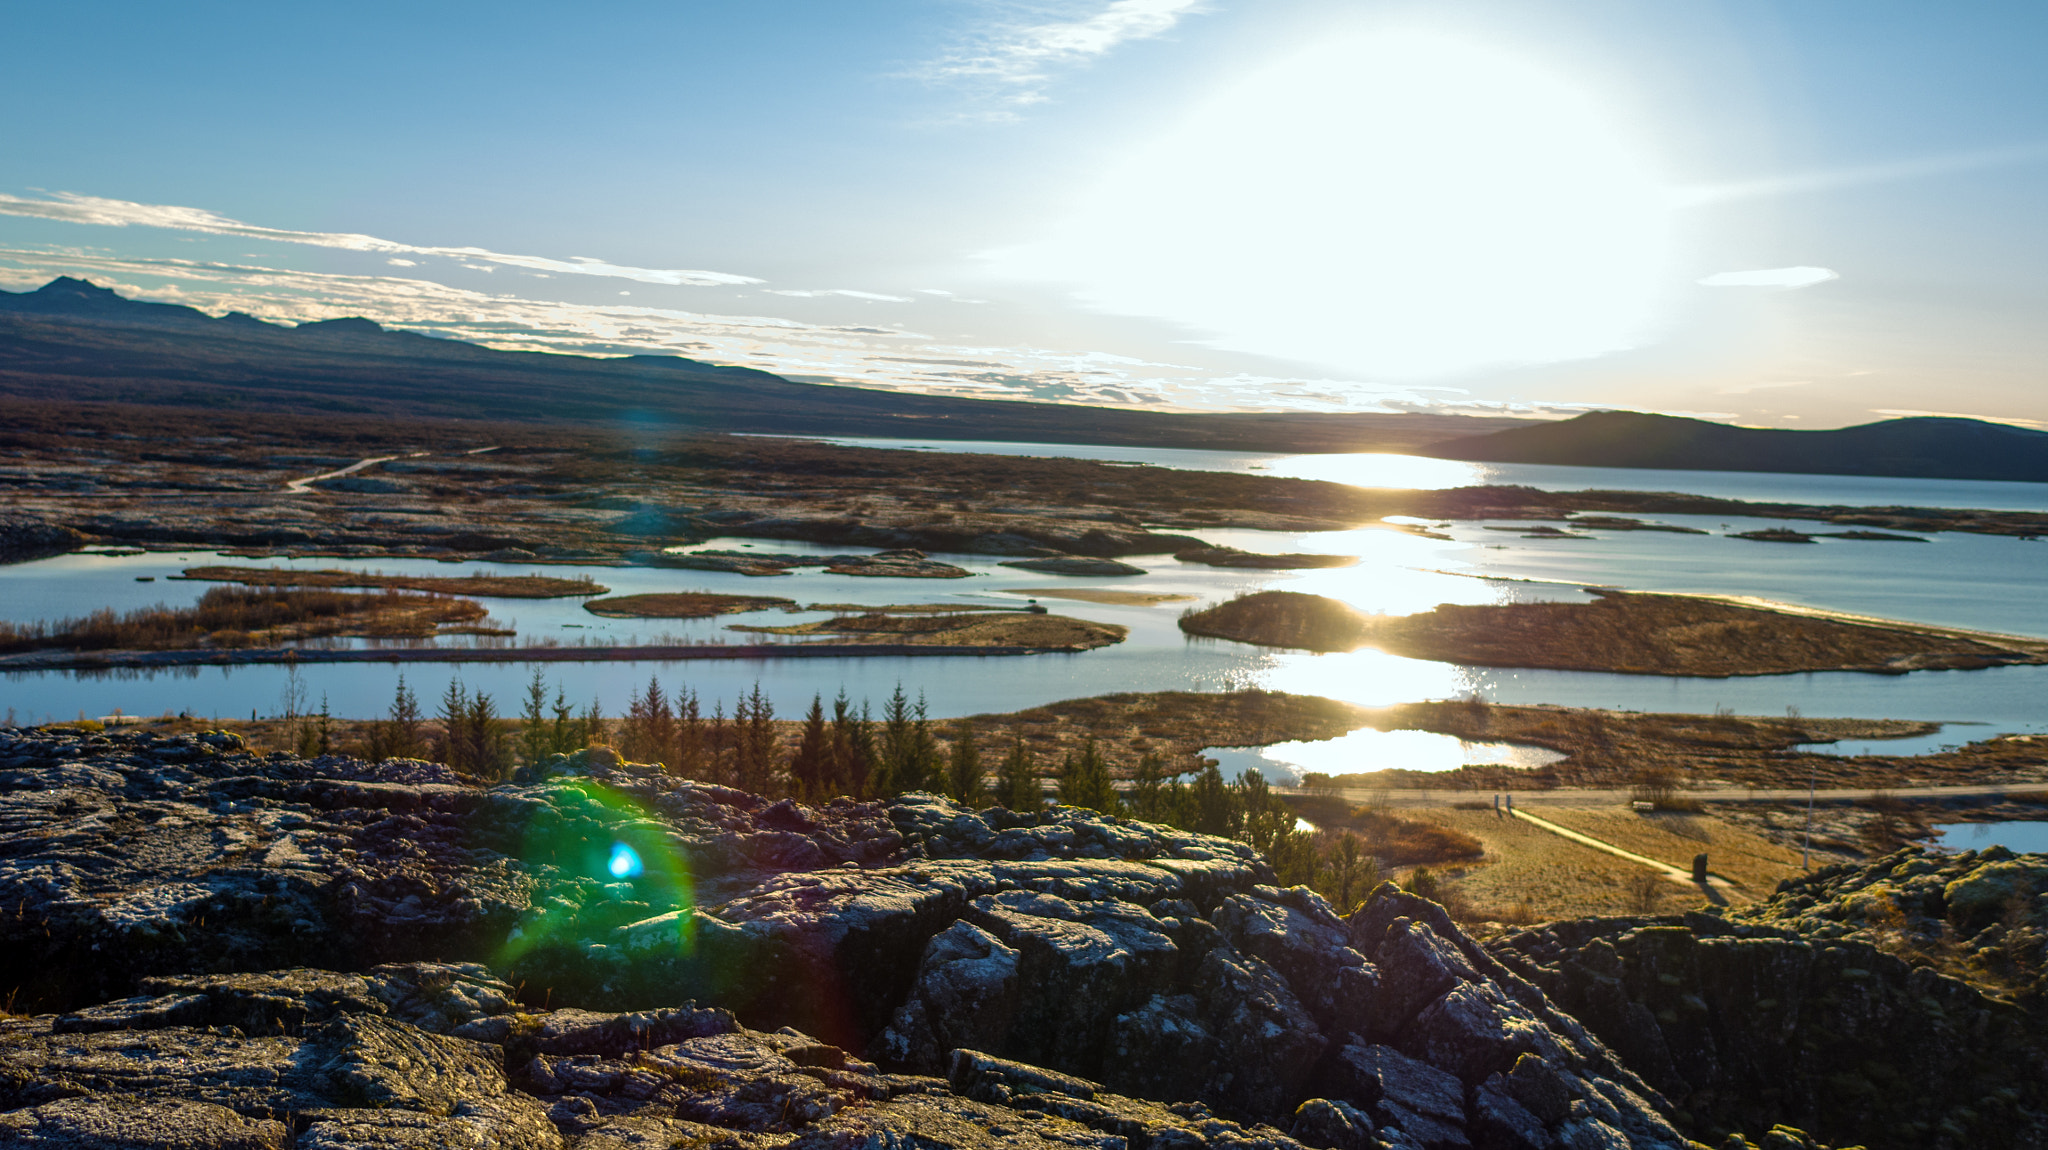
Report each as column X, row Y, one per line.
column 76, row 209
column 847, row 292
column 1786, row 279
column 1860, row 175
column 1019, row 59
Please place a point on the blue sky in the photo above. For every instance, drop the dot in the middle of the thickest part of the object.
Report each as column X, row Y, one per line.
column 1295, row 203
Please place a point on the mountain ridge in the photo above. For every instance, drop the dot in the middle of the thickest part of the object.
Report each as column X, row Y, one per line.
column 73, row 340
column 1917, row 447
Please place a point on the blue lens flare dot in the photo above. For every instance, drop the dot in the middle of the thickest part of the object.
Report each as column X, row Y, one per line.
column 625, row 861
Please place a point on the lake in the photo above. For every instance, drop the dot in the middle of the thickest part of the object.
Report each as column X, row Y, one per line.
column 1982, row 582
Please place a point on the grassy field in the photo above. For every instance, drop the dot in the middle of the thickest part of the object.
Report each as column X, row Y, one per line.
column 1753, row 863
column 1529, row 874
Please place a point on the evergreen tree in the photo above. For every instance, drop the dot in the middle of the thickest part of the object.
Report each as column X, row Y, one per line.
column 844, row 775
column 405, row 722
column 1262, row 818
column 1292, row 855
column 590, row 728
column 1348, row 872
column 565, row 731
column 1148, row 794
column 689, row 760
column 964, row 782
column 926, row 767
column 1210, row 809
column 455, row 741
column 1085, row 782
column 718, row 746
column 810, row 768
column 1017, row 785
column 534, row 742
column 323, row 742
column 489, row 754
column 896, row 772
column 754, row 723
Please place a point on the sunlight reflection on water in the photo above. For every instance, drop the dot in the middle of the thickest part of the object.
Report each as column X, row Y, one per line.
column 1371, row 750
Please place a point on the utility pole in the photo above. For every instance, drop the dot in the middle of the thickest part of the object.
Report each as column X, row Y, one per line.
column 1806, row 848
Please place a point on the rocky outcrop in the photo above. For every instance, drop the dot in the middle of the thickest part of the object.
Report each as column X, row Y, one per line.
column 25, row 537
column 570, row 959
column 1790, row 1010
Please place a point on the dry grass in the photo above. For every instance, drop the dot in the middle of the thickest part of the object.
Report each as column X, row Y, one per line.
column 682, row 605
column 1752, row 862
column 1107, row 595
column 1282, row 619
column 1629, row 633
column 495, row 586
column 1392, row 839
column 965, row 629
column 1529, row 872
column 231, row 617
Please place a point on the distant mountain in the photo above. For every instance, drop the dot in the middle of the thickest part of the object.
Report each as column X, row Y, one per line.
column 73, row 341
column 1920, row 448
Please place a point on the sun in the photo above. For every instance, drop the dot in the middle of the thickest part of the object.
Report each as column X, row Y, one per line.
column 1396, row 203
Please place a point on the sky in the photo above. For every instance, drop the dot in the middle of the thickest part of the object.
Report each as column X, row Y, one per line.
column 1806, row 214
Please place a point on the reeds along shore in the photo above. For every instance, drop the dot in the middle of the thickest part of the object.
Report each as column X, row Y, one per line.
column 228, row 618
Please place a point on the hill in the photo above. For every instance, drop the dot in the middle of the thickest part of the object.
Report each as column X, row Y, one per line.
column 72, row 340
column 1920, row 448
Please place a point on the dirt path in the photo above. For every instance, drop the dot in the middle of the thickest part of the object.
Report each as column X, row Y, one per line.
column 1674, row 873
column 304, row 486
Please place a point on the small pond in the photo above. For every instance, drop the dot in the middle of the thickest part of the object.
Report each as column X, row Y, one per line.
column 1370, row 750
column 2021, row 835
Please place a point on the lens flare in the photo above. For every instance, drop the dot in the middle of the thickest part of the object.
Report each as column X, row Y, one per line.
column 601, row 861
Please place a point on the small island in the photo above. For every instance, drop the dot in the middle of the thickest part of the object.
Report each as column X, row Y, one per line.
column 1622, row 632
column 683, row 605
column 1028, row 628
column 490, row 586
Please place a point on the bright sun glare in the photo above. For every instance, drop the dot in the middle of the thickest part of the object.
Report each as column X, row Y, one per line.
column 1397, row 203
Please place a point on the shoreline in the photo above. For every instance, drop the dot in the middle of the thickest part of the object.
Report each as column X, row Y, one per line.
column 259, row 656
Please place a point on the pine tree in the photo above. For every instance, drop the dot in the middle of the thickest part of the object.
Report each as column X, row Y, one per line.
column 1085, row 782
column 1262, row 818
column 810, row 768
column 590, row 728
column 1348, row 873
column 454, row 716
column 689, row 761
column 405, row 722
column 489, row 756
column 565, row 731
column 323, row 743
column 754, row 720
column 533, row 731
column 964, row 783
column 895, row 773
column 926, row 767
column 718, row 746
column 1147, row 796
column 850, row 756
column 1211, row 808
column 1017, row 785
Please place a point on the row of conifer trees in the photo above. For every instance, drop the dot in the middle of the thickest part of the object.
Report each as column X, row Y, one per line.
column 841, row 750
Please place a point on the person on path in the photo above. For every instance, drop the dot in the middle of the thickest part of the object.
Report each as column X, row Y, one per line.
column 1511, row 805
column 1496, row 804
